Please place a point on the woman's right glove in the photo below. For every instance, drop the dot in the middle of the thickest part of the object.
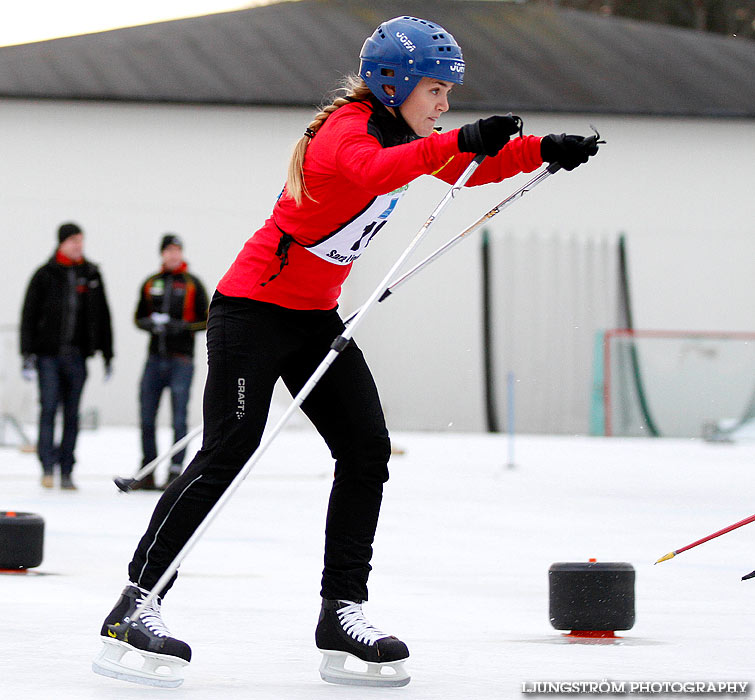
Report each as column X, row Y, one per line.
column 488, row 136
column 568, row 150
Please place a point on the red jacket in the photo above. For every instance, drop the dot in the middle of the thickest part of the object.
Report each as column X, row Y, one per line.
column 356, row 169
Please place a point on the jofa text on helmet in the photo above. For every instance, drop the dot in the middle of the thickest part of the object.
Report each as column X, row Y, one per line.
column 405, row 41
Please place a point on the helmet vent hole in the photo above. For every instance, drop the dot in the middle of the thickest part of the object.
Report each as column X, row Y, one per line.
column 388, row 72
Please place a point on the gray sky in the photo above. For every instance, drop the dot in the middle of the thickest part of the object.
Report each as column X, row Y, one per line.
column 36, row 20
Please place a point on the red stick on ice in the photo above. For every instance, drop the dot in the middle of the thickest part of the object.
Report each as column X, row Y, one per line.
column 709, row 537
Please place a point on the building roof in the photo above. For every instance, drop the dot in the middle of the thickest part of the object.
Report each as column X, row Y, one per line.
column 521, row 57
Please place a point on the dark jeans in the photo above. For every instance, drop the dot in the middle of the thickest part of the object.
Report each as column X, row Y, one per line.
column 61, row 381
column 174, row 373
column 250, row 345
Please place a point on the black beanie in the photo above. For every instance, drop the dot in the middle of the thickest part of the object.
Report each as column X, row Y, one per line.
column 170, row 239
column 67, row 230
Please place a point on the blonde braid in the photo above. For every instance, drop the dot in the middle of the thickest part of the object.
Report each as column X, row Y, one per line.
column 355, row 89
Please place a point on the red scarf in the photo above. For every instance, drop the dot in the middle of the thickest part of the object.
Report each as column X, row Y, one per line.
column 178, row 270
column 66, row 261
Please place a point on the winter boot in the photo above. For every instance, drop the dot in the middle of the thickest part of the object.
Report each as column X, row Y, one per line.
column 173, row 473
column 146, row 483
column 66, row 483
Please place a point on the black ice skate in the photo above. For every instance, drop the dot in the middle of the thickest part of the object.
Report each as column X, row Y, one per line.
column 163, row 656
column 343, row 632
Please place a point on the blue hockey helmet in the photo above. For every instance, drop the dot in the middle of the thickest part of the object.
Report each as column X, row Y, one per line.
column 403, row 50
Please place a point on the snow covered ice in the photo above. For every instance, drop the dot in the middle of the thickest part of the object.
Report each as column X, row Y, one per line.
column 460, row 567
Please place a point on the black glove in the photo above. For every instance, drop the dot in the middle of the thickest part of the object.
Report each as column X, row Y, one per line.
column 488, row 136
column 568, row 150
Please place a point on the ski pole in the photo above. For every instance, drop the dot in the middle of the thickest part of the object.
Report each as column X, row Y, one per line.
column 336, row 348
column 497, row 209
column 125, row 484
column 671, row 555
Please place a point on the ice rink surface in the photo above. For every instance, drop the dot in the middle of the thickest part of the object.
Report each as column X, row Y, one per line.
column 460, row 567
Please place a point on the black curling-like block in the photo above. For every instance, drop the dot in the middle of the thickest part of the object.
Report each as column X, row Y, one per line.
column 592, row 596
column 21, row 540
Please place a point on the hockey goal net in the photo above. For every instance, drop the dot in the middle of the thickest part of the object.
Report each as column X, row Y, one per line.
column 677, row 383
column 17, row 397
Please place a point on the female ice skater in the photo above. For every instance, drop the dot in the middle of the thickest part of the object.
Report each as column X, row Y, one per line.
column 274, row 314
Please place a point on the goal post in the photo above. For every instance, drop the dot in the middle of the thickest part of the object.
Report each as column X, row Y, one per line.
column 16, row 396
column 674, row 383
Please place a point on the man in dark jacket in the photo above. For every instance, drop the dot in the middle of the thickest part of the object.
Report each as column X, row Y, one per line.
column 172, row 307
column 65, row 320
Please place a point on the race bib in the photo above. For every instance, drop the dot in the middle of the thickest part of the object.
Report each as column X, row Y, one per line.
column 346, row 244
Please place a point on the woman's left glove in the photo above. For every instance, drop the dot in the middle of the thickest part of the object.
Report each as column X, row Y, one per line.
column 568, row 150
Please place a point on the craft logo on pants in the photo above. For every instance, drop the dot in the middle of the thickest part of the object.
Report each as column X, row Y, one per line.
column 241, row 398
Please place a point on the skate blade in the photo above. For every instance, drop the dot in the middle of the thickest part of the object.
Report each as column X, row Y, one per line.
column 108, row 663
column 391, row 674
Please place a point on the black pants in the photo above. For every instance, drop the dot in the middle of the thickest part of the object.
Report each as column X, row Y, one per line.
column 250, row 345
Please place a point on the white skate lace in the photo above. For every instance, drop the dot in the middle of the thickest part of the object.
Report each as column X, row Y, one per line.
column 356, row 625
column 151, row 617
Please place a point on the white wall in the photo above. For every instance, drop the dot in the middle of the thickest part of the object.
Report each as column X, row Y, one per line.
column 681, row 190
